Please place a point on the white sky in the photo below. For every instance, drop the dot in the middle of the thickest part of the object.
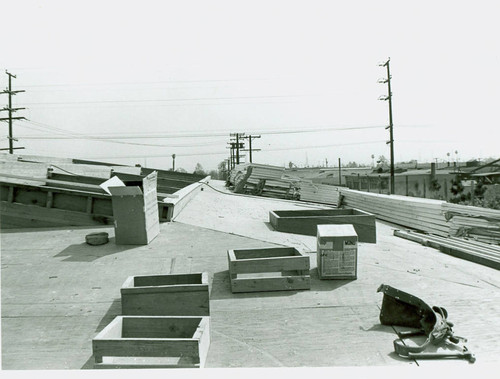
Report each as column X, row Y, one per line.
column 120, row 68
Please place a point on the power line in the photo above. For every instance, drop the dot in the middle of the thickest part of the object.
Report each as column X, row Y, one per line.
column 168, row 100
column 98, row 139
column 207, row 134
column 135, row 83
column 224, row 153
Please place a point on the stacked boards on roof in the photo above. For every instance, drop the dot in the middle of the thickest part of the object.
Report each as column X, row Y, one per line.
column 412, row 212
column 273, row 181
column 432, row 216
column 481, row 224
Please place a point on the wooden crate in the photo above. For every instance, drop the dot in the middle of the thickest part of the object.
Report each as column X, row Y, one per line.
column 306, row 221
column 166, row 295
column 135, row 210
column 268, row 269
column 152, row 342
column 337, row 254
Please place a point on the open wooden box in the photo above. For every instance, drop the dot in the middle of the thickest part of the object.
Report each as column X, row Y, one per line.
column 152, row 342
column 268, row 269
column 306, row 221
column 166, row 295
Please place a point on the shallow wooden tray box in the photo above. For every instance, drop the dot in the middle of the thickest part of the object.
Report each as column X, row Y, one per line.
column 166, row 295
column 268, row 269
column 306, row 221
column 152, row 341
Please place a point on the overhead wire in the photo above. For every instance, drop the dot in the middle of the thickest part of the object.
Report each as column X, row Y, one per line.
column 170, row 100
column 206, row 134
column 146, row 82
column 225, row 153
column 113, row 139
column 98, row 139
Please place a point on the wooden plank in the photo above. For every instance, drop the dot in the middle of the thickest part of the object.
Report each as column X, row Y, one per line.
column 44, row 189
column 76, row 178
column 159, row 327
column 472, row 211
column 115, row 363
column 184, row 288
column 270, row 252
column 133, row 347
column 271, row 284
column 270, row 265
column 186, row 194
column 454, row 250
column 175, row 300
column 204, row 341
column 167, row 280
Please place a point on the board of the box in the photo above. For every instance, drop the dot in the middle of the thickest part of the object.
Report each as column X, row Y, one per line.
column 166, row 295
column 263, row 282
column 266, row 260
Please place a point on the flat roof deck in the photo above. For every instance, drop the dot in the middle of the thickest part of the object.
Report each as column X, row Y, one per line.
column 58, row 292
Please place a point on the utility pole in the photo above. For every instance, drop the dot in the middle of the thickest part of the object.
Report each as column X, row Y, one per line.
column 250, row 137
column 232, row 147
column 230, row 160
column 173, row 162
column 11, row 110
column 237, row 145
column 232, row 155
column 390, row 127
column 237, row 148
column 340, row 173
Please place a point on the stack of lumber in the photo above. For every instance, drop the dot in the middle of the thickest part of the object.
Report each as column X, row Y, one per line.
column 271, row 188
column 474, row 251
column 262, row 180
column 415, row 213
column 239, row 175
column 431, row 216
column 318, row 193
column 273, row 181
column 482, row 224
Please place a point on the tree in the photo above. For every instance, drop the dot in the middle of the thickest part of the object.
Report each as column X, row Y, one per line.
column 456, row 187
column 223, row 171
column 480, row 189
column 199, row 169
column 382, row 161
